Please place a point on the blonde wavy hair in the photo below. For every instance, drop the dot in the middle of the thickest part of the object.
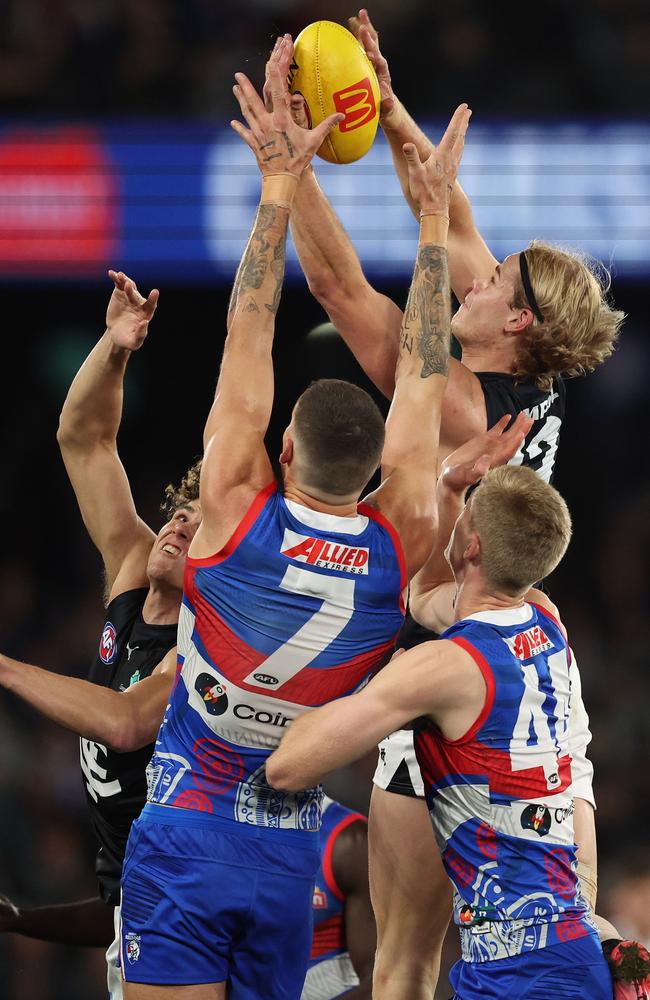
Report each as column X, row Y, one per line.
column 580, row 325
column 181, row 496
column 523, row 524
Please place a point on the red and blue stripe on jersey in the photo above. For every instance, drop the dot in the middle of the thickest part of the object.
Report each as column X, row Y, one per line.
column 499, row 797
column 329, row 899
column 298, row 608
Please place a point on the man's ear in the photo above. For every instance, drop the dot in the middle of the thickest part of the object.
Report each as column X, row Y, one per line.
column 519, row 320
column 286, row 455
column 473, row 549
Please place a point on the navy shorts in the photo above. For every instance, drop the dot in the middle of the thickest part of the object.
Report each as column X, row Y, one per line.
column 208, row 900
column 575, row 970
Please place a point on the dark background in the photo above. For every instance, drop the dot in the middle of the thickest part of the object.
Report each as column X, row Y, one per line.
column 150, row 57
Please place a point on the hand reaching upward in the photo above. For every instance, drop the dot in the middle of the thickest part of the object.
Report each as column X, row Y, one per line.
column 432, row 181
column 128, row 313
column 469, row 463
column 279, row 144
column 362, row 28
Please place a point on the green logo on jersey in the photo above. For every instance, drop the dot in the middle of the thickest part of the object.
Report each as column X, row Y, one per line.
column 135, row 677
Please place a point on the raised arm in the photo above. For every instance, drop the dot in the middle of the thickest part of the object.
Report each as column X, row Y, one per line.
column 236, row 465
column 410, row 456
column 469, row 255
column 124, row 720
column 433, row 591
column 87, row 437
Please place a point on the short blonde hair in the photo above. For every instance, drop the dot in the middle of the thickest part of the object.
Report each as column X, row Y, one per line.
column 580, row 326
column 523, row 524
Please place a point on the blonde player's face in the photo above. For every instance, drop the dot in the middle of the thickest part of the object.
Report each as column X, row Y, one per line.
column 487, row 307
column 169, row 551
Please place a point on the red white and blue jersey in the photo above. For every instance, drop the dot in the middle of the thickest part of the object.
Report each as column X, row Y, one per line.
column 330, row 973
column 299, row 608
column 500, row 797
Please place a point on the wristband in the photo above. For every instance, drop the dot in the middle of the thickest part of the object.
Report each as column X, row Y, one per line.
column 278, row 189
column 434, row 227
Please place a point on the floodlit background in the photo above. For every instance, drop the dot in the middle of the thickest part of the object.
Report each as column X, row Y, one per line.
column 114, row 151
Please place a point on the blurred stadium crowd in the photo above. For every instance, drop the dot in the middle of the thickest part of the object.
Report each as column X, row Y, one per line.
column 166, row 58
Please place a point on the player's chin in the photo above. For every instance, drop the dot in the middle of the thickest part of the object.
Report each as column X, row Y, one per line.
column 164, row 569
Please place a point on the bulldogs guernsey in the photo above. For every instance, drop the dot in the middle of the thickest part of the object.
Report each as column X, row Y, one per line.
column 299, row 608
column 330, row 973
column 500, row 797
column 115, row 784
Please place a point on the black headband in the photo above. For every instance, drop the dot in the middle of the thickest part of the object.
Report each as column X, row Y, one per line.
column 528, row 288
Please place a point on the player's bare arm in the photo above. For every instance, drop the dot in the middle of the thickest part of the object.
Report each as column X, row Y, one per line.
column 236, row 465
column 368, row 321
column 125, row 720
column 86, row 923
column 350, row 864
column 410, row 455
column 87, row 436
column 432, row 593
column 469, row 255
column 437, row 678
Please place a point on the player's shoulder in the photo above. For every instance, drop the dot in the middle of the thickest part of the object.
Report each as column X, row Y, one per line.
column 504, row 393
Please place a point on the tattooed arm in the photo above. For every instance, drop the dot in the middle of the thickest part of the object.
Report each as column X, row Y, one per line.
column 236, row 465
column 410, row 455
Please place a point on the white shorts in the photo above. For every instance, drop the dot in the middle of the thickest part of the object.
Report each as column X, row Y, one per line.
column 397, row 767
column 113, row 970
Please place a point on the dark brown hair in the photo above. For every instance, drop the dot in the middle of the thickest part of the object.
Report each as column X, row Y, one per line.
column 181, row 496
column 340, row 434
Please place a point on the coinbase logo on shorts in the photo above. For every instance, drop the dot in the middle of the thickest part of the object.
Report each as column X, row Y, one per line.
column 212, row 693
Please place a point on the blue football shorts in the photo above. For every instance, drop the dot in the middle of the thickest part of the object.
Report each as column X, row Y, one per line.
column 208, row 900
column 575, row 970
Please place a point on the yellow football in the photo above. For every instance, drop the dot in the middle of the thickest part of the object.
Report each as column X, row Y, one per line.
column 333, row 73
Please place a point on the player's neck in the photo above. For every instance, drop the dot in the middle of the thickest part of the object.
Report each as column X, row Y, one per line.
column 162, row 604
column 294, row 493
column 474, row 596
column 485, row 358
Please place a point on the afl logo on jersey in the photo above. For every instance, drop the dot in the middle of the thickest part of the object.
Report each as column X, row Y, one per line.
column 213, row 694
column 108, row 643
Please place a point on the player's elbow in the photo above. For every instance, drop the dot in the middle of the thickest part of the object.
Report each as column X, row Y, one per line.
column 127, row 735
column 283, row 773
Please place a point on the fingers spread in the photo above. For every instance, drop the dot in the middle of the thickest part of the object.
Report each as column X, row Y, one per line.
column 323, row 130
column 456, row 129
column 250, row 96
column 243, row 133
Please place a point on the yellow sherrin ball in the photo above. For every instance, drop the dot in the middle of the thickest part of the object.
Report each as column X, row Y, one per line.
column 333, row 73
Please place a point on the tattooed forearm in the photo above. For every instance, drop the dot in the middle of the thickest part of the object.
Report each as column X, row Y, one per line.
column 277, row 270
column 427, row 319
column 268, row 236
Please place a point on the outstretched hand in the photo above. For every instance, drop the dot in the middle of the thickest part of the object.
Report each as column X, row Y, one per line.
column 431, row 182
column 469, row 463
column 128, row 313
column 279, row 144
column 362, row 28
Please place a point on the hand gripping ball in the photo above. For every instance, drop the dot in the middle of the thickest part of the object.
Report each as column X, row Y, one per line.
column 333, row 73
